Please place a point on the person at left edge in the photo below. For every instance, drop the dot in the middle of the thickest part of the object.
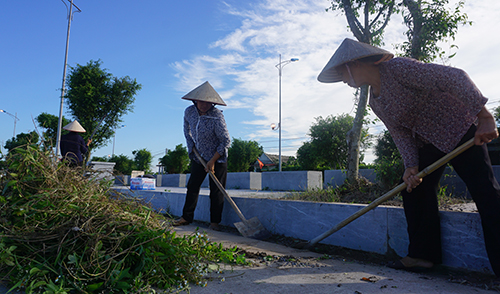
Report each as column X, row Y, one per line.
column 72, row 144
column 205, row 129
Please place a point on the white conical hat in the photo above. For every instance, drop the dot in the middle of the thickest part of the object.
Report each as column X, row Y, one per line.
column 74, row 126
column 349, row 50
column 204, row 92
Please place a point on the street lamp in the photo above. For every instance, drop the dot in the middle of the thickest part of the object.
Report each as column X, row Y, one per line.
column 15, row 120
column 114, row 137
column 280, row 66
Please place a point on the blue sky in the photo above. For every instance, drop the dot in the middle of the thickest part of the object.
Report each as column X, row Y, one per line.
column 171, row 47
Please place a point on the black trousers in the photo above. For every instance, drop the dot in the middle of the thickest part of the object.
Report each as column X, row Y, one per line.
column 421, row 205
column 197, row 177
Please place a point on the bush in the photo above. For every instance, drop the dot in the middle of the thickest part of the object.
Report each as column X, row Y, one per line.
column 389, row 166
column 389, row 172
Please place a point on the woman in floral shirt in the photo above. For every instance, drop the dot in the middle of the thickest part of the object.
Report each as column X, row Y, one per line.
column 205, row 129
column 429, row 110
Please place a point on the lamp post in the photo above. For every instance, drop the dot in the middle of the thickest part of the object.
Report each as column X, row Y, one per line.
column 114, row 137
column 280, row 66
column 15, row 120
column 63, row 90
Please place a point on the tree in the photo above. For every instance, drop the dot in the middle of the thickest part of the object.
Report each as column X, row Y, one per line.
column 429, row 22
column 142, row 160
column 50, row 123
column 94, row 95
column 176, row 161
column 292, row 164
column 388, row 163
column 375, row 17
column 307, row 157
column 242, row 155
column 328, row 143
column 123, row 164
column 22, row 139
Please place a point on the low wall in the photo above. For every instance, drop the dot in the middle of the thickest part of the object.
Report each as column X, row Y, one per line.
column 337, row 177
column 381, row 230
column 275, row 181
column 299, row 180
column 450, row 179
column 171, row 180
column 292, row 180
column 122, row 180
column 244, row 180
column 101, row 170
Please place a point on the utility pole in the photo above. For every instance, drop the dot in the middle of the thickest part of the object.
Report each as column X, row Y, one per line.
column 63, row 89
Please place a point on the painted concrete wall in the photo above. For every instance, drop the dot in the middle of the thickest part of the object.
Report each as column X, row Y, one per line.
column 381, row 230
column 244, row 180
column 101, row 170
column 298, row 180
column 450, row 180
column 274, row 181
column 337, row 177
column 171, row 180
column 292, row 180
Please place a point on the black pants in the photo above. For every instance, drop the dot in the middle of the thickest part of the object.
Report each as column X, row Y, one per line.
column 197, row 177
column 421, row 205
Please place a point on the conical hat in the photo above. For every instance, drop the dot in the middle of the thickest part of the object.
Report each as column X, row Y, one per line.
column 204, row 92
column 74, row 126
column 349, row 50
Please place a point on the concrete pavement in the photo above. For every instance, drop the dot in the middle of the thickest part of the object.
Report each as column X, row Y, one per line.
column 292, row 271
column 280, row 269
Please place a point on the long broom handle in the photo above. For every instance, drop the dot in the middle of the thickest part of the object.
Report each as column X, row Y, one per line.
column 394, row 191
column 219, row 185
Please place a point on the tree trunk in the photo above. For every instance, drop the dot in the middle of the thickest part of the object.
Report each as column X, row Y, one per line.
column 363, row 33
column 354, row 136
column 416, row 41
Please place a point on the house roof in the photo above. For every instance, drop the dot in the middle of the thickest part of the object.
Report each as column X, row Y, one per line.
column 272, row 159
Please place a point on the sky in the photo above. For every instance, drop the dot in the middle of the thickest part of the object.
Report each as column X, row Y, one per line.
column 171, row 47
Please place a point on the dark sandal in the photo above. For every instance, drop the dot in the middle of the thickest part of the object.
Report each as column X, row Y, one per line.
column 180, row 222
column 400, row 266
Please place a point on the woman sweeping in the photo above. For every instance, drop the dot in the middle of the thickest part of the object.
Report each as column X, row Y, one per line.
column 73, row 147
column 205, row 129
column 429, row 109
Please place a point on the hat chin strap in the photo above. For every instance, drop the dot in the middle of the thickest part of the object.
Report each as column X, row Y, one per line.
column 350, row 74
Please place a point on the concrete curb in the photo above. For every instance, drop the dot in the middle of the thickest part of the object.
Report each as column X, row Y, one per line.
column 381, row 230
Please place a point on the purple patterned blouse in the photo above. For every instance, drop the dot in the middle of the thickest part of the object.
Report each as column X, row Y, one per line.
column 425, row 103
column 207, row 132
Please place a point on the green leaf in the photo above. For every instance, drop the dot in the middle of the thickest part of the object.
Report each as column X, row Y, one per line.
column 34, row 270
column 39, row 284
column 72, row 259
column 94, row 287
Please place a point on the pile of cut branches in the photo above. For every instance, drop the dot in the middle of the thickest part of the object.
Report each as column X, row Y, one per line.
column 62, row 232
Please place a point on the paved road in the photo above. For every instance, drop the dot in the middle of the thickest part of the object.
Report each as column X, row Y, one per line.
column 293, row 271
column 307, row 273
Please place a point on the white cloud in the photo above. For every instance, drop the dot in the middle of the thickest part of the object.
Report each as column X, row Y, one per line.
column 244, row 65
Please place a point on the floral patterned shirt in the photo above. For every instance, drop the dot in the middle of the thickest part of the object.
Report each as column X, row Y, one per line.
column 207, row 132
column 425, row 103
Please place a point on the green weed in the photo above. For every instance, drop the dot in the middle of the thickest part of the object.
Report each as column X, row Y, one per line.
column 63, row 232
